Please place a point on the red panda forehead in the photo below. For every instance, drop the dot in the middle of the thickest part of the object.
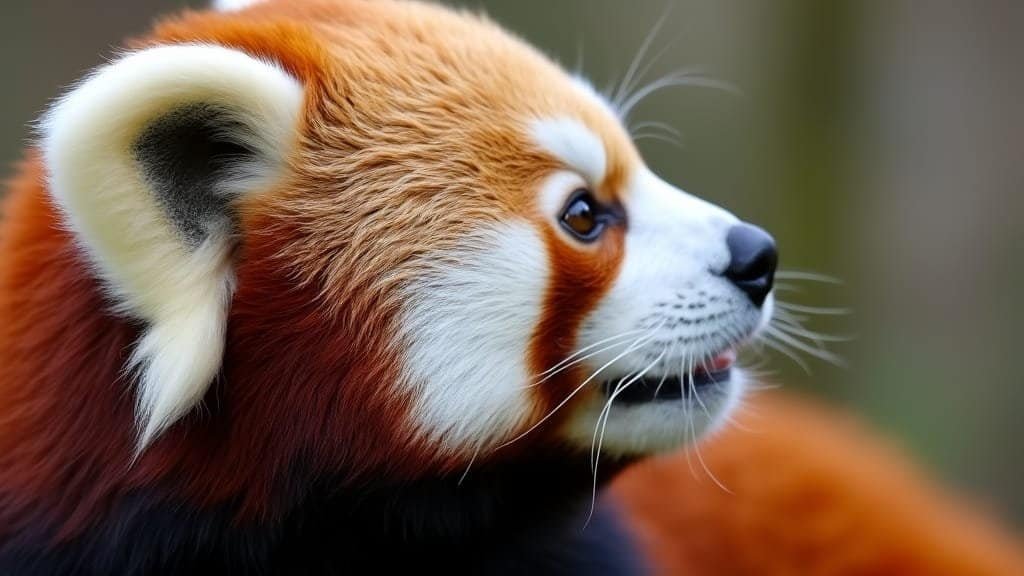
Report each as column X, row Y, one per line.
column 442, row 90
column 477, row 93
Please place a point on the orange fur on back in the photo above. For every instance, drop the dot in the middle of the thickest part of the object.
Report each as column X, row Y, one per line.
column 811, row 493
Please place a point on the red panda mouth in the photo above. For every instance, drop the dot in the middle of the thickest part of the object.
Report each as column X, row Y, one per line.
column 713, row 373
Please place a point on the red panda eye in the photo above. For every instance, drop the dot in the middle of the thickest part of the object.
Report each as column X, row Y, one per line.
column 582, row 216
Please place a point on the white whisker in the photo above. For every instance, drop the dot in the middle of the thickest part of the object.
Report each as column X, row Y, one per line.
column 468, row 466
column 782, row 348
column 579, row 56
column 678, row 78
column 704, row 367
column 797, row 330
column 626, row 85
column 700, row 457
column 595, row 454
column 659, row 137
column 639, row 342
column 590, row 347
column 661, row 382
column 813, row 309
column 606, row 411
column 808, row 276
column 783, row 314
column 656, row 125
column 566, row 364
column 784, row 337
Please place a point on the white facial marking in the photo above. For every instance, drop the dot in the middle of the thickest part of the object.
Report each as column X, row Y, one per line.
column 468, row 326
column 591, row 93
column 182, row 294
column 556, row 190
column 669, row 289
column 574, row 144
column 232, row 5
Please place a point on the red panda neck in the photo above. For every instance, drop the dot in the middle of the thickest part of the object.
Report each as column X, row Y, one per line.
column 67, row 434
column 67, row 410
column 67, row 424
column 62, row 398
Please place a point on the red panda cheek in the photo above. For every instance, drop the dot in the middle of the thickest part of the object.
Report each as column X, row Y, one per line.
column 465, row 329
column 580, row 277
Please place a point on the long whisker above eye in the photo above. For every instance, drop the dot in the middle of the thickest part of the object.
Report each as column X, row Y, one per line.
column 659, row 137
column 626, row 85
column 656, row 125
column 579, row 56
column 681, row 77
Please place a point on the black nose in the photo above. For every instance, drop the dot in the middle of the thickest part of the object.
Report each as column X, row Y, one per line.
column 752, row 261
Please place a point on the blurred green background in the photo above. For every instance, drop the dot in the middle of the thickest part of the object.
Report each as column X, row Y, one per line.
column 880, row 141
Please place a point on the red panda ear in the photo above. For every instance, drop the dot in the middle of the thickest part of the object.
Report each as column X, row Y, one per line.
column 144, row 159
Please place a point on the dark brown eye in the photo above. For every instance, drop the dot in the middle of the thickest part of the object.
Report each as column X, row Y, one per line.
column 582, row 216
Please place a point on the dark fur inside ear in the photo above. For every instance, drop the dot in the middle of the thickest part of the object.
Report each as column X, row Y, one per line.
column 187, row 157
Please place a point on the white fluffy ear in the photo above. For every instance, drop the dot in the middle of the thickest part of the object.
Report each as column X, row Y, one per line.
column 144, row 158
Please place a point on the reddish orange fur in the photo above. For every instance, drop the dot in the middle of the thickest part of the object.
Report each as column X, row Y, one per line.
column 812, row 493
column 36, row 378
column 487, row 167
column 381, row 181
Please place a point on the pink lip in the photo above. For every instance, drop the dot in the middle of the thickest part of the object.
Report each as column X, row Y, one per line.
column 723, row 361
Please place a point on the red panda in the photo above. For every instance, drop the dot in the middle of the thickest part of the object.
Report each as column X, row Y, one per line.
column 340, row 286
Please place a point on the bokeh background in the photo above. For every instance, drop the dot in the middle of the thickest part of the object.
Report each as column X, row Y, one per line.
column 881, row 141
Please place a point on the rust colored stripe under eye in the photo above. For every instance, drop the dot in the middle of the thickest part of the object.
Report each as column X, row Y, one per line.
column 580, row 276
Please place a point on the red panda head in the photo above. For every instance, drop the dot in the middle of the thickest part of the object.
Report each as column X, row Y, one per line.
column 388, row 239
